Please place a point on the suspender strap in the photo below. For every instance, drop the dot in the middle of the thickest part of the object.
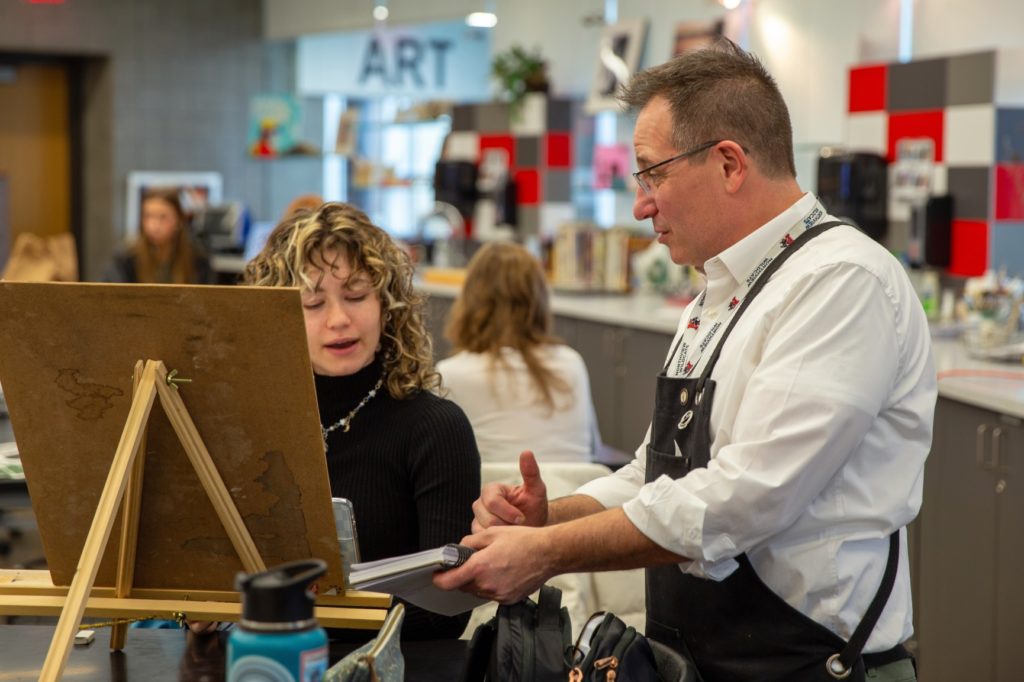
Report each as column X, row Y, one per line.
column 807, row 236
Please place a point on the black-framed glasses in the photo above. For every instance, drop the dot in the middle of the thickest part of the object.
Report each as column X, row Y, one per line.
column 642, row 176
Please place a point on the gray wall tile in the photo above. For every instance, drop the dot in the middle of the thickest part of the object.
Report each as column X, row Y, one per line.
column 970, row 187
column 970, row 78
column 528, row 152
column 557, row 185
column 917, row 85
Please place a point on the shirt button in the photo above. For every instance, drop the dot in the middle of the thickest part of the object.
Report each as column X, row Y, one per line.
column 694, row 534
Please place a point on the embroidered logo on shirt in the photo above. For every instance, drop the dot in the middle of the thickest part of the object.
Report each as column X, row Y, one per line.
column 694, row 323
column 734, row 302
column 786, row 241
column 688, row 368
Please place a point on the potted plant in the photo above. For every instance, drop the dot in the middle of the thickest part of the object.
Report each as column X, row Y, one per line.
column 519, row 71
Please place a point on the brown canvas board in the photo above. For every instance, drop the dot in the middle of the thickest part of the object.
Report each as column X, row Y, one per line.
column 67, row 353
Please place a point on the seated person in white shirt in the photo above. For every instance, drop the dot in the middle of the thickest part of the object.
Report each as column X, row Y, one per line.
column 514, row 380
column 785, row 458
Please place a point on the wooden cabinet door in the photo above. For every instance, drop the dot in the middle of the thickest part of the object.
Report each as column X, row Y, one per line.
column 957, row 535
column 1008, row 486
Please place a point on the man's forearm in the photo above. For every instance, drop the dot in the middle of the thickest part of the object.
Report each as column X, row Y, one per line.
column 572, row 507
column 605, row 541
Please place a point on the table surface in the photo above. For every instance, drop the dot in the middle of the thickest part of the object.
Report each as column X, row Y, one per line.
column 157, row 655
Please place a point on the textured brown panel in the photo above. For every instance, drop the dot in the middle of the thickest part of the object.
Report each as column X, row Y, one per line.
column 66, row 357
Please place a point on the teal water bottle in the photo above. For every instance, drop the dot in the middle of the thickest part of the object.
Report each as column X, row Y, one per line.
column 278, row 639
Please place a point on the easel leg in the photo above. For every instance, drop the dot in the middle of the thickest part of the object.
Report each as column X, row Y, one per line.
column 130, row 507
column 218, row 493
column 103, row 522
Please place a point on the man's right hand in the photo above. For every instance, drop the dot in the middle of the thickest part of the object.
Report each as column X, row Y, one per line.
column 525, row 504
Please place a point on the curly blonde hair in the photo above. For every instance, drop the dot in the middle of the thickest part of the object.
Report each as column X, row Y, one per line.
column 504, row 303
column 300, row 243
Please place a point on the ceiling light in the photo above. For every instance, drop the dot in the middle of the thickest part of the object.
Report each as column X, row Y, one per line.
column 482, row 19
column 730, row 4
column 380, row 12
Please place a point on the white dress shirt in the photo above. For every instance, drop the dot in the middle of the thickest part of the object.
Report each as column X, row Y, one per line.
column 822, row 419
column 507, row 413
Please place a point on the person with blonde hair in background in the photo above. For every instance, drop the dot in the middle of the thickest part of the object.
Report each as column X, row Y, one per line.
column 516, row 381
column 164, row 252
column 403, row 456
column 303, row 202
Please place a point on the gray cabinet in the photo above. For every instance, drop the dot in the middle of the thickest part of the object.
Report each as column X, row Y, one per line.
column 622, row 363
column 436, row 315
column 968, row 596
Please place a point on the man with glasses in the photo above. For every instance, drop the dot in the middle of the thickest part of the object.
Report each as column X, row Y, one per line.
column 770, row 498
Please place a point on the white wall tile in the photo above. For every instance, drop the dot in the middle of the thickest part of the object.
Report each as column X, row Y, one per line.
column 970, row 135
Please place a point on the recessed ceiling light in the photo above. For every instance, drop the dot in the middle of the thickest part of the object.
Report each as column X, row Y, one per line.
column 482, row 19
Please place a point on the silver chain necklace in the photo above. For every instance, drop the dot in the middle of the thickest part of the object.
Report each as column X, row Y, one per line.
column 346, row 421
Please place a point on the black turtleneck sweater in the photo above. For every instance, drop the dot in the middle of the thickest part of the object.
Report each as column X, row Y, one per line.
column 412, row 471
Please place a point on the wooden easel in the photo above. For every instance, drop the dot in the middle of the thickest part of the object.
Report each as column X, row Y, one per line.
column 64, row 364
column 125, row 481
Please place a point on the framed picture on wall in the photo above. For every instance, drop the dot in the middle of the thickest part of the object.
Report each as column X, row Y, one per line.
column 197, row 190
column 618, row 58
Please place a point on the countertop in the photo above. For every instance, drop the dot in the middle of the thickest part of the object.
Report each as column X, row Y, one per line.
column 637, row 311
column 992, row 385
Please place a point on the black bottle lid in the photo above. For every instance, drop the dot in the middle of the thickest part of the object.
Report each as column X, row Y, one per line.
column 280, row 595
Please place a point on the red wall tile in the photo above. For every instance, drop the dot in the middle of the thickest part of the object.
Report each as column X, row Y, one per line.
column 527, row 186
column 916, row 124
column 867, row 88
column 1010, row 191
column 970, row 248
column 506, row 142
column 558, row 150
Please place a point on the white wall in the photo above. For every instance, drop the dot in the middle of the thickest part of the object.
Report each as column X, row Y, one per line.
column 808, row 45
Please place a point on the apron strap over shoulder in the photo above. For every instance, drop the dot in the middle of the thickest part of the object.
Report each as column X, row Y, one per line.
column 754, row 290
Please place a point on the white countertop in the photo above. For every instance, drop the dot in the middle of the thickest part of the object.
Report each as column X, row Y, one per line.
column 637, row 311
column 995, row 386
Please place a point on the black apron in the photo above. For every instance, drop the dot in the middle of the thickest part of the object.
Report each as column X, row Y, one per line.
column 738, row 629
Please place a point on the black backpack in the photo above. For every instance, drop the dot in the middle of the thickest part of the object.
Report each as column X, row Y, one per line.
column 616, row 652
column 524, row 642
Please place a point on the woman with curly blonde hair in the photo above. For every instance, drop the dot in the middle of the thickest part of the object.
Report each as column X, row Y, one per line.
column 405, row 457
column 518, row 383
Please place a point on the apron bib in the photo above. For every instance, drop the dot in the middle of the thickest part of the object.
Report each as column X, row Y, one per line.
column 738, row 629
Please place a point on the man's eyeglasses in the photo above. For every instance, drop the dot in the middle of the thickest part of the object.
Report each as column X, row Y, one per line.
column 649, row 181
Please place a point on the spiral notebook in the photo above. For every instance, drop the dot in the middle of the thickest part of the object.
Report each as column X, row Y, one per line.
column 411, row 577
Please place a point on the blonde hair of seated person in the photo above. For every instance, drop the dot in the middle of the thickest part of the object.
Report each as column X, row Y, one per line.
column 504, row 303
column 301, row 243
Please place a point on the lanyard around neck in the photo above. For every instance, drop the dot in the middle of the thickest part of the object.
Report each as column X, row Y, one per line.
column 694, row 340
